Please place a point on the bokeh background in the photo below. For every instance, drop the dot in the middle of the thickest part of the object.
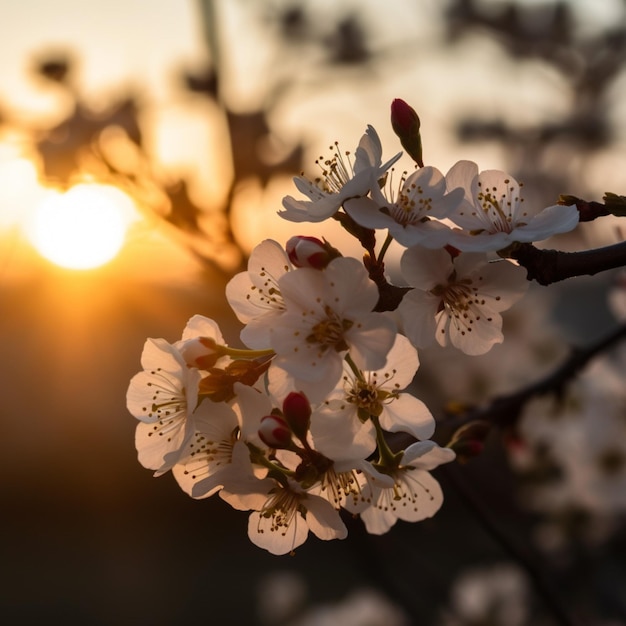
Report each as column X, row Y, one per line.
column 199, row 113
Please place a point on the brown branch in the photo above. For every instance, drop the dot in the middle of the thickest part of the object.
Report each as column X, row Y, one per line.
column 505, row 410
column 551, row 266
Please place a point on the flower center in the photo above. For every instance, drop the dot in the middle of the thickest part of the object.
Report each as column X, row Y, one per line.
column 340, row 486
column 268, row 296
column 206, row 455
column 461, row 302
column 281, row 507
column 329, row 332
column 500, row 211
column 368, row 399
column 336, row 170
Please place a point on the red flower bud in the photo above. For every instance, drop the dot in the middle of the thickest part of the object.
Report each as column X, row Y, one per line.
column 406, row 124
column 275, row 432
column 297, row 412
column 306, row 251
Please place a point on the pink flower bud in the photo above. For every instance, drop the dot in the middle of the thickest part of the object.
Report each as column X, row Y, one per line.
column 275, row 432
column 406, row 124
column 404, row 119
column 297, row 412
column 309, row 252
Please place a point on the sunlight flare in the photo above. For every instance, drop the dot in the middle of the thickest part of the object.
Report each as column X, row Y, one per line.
column 83, row 228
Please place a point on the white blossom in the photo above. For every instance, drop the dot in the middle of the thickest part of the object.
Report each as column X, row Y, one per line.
column 409, row 217
column 342, row 426
column 415, row 495
column 329, row 313
column 494, row 214
column 162, row 397
column 340, row 180
column 458, row 300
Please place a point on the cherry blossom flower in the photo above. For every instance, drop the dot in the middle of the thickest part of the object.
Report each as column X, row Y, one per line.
column 415, row 495
column 494, row 215
column 342, row 426
column 254, row 295
column 328, row 313
column 340, row 180
column 200, row 471
column 458, row 300
column 421, row 197
column 162, row 397
column 288, row 514
column 283, row 512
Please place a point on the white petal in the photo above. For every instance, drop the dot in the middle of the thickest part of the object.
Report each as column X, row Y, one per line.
column 323, row 520
column 417, row 313
column 480, row 337
column 369, row 151
column 430, row 234
column 370, row 340
column 481, row 242
column 253, row 407
column 408, row 414
column 281, row 540
column 425, row 269
column 298, row 211
column 461, row 174
column 348, row 288
column 422, row 496
column 377, row 521
column 338, row 433
column 201, row 326
column 158, row 353
column 367, row 212
column 551, row 221
column 427, row 455
column 402, row 363
column 208, row 452
column 158, row 447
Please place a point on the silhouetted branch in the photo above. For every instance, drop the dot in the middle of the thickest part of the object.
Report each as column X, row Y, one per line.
column 505, row 410
column 551, row 266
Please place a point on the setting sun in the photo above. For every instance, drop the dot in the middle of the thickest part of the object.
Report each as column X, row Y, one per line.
column 83, row 228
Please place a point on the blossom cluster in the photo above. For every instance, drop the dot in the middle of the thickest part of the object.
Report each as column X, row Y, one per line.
column 295, row 426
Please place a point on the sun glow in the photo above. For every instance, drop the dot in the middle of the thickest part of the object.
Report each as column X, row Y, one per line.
column 82, row 228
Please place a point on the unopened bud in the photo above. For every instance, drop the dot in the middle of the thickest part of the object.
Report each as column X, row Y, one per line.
column 275, row 432
column 201, row 352
column 406, row 124
column 312, row 252
column 469, row 440
column 297, row 412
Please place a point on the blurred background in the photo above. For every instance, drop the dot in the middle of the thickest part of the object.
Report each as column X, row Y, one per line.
column 145, row 147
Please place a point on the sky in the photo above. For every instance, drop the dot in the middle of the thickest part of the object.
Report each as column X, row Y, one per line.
column 143, row 46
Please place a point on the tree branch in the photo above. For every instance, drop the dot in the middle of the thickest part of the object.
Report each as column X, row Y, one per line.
column 505, row 410
column 551, row 266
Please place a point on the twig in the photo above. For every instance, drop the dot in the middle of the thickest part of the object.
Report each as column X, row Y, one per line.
column 504, row 410
column 521, row 557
